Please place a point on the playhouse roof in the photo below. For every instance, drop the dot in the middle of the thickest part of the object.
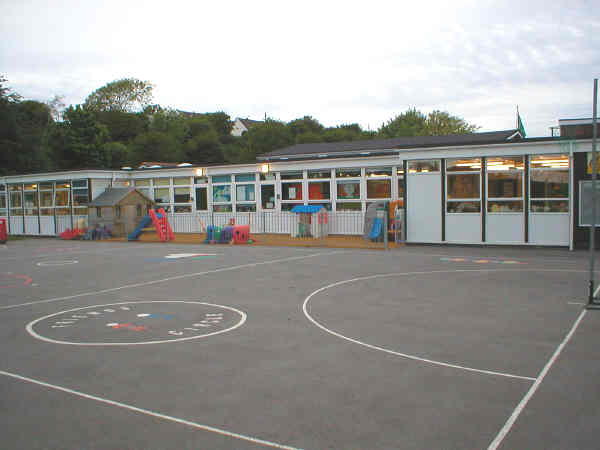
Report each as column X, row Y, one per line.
column 113, row 196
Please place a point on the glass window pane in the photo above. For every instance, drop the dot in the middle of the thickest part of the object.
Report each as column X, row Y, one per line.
column 424, row 166
column 246, row 208
column 222, row 194
column 46, row 186
column 80, row 183
column 200, row 180
column 245, row 193
column 245, row 177
column 31, row 203
column 347, row 173
column 182, row 195
column 504, row 163
column 463, row 185
column 46, row 211
column 549, row 183
column 348, row 206
column 183, row 208
column 378, row 172
column 549, row 161
column 63, row 211
column 162, row 182
column 319, row 174
column 221, row 178
column 379, row 188
column 80, row 211
column 17, row 212
column 46, row 199
column 291, row 175
column 288, row 206
column 142, row 182
column 2, row 187
column 505, row 206
column 291, row 191
column 561, row 206
column 62, row 198
column 267, row 176
column 80, row 197
column 319, row 191
column 463, row 165
column 505, row 184
column 30, row 187
column 15, row 187
column 16, row 200
column 201, row 199
column 463, row 207
column 63, row 185
column 267, row 196
column 3, row 201
column 348, row 189
column 181, row 181
column 161, row 195
column 222, row 208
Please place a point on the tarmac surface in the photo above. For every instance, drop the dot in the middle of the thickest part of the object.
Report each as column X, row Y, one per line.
column 110, row 345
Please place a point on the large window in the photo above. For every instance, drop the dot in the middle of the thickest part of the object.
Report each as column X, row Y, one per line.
column 245, row 197
column 3, row 206
column 291, row 191
column 267, row 196
column 222, row 193
column 31, row 202
column 319, row 190
column 319, row 174
column 423, row 166
column 379, row 182
column 549, row 183
column 505, row 184
column 161, row 195
column 463, row 185
column 348, row 189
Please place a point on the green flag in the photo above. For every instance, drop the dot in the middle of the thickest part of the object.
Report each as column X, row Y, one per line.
column 520, row 125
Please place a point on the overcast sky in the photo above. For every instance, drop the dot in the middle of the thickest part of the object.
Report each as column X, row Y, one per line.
column 338, row 61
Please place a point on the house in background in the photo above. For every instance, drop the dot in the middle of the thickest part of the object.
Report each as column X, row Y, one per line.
column 240, row 126
column 119, row 210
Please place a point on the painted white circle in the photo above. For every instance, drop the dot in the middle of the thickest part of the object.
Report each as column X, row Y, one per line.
column 219, row 319
column 309, row 316
column 57, row 263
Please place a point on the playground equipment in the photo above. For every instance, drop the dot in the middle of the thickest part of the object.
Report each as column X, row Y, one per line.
column 229, row 234
column 160, row 222
column 376, row 233
column 3, row 232
column 312, row 221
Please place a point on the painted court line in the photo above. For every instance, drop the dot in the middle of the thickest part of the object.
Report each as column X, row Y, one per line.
column 405, row 355
column 523, row 403
column 163, row 280
column 150, row 413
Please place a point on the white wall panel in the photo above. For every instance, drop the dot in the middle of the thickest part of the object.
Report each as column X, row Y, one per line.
column 505, row 228
column 424, row 209
column 463, row 228
column 47, row 225
column 549, row 228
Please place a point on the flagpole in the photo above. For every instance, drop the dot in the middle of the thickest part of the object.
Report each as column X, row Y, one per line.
column 594, row 176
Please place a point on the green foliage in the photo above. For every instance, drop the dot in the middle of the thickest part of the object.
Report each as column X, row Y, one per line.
column 125, row 95
column 155, row 146
column 122, row 126
column 79, row 140
column 266, row 137
column 415, row 123
column 116, row 154
column 305, row 125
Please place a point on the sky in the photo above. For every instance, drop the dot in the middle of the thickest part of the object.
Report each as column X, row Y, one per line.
column 337, row 61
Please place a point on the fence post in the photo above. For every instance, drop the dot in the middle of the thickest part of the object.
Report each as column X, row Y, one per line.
column 385, row 230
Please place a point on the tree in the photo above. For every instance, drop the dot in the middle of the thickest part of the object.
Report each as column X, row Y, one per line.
column 305, row 125
column 410, row 123
column 155, row 146
column 221, row 122
column 125, row 95
column 79, row 140
column 415, row 123
column 440, row 123
column 116, row 154
column 267, row 136
column 122, row 126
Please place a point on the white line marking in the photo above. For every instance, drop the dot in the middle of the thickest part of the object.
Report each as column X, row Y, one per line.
column 523, row 403
column 413, row 357
column 575, row 303
column 596, row 292
column 57, row 263
column 151, row 413
column 30, row 325
column 176, row 277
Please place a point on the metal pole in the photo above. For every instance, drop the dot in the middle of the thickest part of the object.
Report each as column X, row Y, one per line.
column 594, row 176
column 385, row 228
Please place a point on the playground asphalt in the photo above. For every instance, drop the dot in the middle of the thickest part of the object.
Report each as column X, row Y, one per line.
column 110, row 345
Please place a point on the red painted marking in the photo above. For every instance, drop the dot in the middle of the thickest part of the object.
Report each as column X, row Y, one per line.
column 27, row 280
column 130, row 326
